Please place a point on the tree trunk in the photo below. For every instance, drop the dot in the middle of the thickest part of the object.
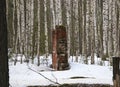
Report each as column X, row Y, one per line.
column 42, row 27
column 49, row 24
column 46, row 30
column 72, row 26
column 38, row 43
column 84, row 32
column 4, row 77
column 35, row 26
column 80, row 20
column 64, row 15
column 92, row 30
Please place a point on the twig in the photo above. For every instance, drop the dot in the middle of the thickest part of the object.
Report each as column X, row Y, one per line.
column 54, row 77
column 43, row 76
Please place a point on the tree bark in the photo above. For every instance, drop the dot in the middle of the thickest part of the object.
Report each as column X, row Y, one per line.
column 80, row 20
column 49, row 24
column 38, row 43
column 4, row 77
column 35, row 26
column 84, row 32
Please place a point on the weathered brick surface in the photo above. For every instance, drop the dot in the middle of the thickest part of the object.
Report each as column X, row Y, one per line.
column 59, row 45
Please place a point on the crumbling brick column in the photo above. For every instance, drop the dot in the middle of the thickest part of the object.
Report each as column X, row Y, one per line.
column 59, row 49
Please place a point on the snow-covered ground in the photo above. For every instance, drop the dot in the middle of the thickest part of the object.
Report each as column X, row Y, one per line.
column 22, row 76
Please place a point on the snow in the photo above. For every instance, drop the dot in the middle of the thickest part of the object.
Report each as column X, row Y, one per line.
column 22, row 76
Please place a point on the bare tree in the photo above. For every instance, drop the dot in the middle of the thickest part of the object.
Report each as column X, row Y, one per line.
column 35, row 27
column 84, row 32
column 38, row 43
column 46, row 30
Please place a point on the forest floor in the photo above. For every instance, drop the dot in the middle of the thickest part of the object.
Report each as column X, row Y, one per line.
column 24, row 75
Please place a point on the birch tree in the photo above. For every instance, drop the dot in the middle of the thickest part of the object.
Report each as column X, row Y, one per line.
column 84, row 33
column 35, row 26
column 80, row 23
column 92, row 30
column 117, row 30
column 72, row 22
column 46, row 30
column 49, row 20
column 38, row 44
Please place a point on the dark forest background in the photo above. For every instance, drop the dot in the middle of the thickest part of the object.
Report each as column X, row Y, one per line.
column 93, row 27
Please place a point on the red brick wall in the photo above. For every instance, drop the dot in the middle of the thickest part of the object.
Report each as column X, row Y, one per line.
column 59, row 45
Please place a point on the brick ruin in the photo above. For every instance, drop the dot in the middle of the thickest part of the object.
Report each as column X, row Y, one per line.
column 59, row 49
